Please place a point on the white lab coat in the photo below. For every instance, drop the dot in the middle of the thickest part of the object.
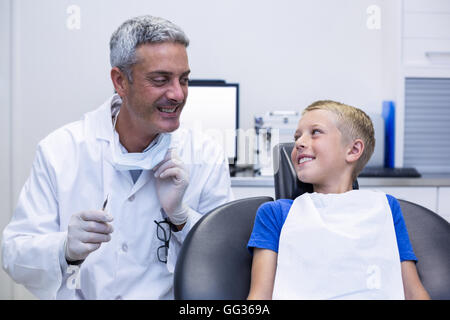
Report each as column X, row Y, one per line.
column 72, row 172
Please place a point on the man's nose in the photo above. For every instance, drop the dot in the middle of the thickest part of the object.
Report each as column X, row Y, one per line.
column 176, row 92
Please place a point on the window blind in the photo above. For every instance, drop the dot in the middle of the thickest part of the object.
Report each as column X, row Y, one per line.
column 427, row 124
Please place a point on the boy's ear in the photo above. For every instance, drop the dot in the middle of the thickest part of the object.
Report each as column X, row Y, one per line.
column 355, row 151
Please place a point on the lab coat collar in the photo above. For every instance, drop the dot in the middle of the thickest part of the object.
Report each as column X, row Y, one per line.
column 99, row 121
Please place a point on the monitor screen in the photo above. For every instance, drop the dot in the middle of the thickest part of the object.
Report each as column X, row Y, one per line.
column 213, row 109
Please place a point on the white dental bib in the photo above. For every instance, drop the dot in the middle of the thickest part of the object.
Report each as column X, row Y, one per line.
column 339, row 246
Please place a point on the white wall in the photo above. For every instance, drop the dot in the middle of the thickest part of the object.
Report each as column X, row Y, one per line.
column 5, row 136
column 285, row 54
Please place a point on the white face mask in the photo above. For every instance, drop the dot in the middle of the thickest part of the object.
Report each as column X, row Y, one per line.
column 139, row 160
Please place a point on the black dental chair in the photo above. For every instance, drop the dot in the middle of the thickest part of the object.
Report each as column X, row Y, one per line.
column 214, row 262
column 429, row 233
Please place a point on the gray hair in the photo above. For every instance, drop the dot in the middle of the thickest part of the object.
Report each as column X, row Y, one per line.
column 137, row 31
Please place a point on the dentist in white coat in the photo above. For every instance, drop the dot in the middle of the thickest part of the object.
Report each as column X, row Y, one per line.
column 111, row 197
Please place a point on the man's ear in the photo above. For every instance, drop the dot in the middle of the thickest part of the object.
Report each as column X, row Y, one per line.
column 355, row 151
column 120, row 81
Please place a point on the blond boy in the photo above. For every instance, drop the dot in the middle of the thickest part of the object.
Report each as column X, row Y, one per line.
column 336, row 243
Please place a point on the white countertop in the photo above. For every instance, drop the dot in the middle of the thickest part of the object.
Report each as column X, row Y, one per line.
column 427, row 180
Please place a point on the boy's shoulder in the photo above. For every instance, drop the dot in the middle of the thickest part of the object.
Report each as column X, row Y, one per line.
column 277, row 205
column 391, row 199
column 275, row 211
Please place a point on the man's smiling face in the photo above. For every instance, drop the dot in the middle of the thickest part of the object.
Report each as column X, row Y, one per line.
column 159, row 87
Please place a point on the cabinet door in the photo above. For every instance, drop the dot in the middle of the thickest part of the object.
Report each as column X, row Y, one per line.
column 424, row 196
column 426, row 25
column 428, row 52
column 248, row 192
column 444, row 202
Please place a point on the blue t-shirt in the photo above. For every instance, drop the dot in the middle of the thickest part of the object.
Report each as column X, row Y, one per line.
column 271, row 216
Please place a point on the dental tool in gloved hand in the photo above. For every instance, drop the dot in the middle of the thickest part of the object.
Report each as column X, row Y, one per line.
column 86, row 231
column 105, row 203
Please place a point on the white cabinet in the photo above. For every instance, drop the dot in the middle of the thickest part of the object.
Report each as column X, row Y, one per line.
column 426, row 52
column 429, row 6
column 426, row 25
column 248, row 192
column 424, row 196
column 426, row 33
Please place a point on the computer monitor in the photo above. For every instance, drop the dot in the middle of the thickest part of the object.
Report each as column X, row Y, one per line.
column 213, row 108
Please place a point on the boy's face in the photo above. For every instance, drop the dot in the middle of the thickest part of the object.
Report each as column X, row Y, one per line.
column 319, row 155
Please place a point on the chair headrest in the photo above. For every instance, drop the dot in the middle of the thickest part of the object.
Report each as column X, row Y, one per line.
column 287, row 185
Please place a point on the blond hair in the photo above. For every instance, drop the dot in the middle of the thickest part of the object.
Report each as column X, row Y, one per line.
column 353, row 123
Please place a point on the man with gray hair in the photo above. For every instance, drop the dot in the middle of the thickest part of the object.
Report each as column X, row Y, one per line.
column 111, row 197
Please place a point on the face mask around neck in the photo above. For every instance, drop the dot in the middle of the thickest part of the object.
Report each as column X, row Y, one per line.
column 146, row 160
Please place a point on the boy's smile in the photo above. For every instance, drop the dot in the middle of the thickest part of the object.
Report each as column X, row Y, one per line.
column 303, row 158
column 319, row 155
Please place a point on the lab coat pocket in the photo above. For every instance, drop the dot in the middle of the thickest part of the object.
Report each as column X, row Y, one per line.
column 152, row 256
column 172, row 256
column 31, row 276
column 39, row 282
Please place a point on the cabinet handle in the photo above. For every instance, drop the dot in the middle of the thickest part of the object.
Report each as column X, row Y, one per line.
column 441, row 55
